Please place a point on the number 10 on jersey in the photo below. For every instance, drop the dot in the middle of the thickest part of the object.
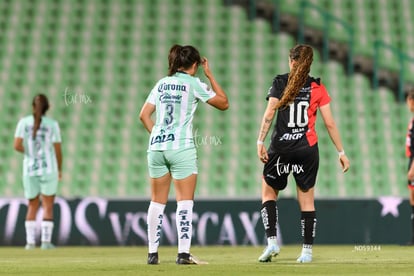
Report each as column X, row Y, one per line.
column 298, row 114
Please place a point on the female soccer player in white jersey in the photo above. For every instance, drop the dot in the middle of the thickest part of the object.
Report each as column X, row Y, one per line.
column 171, row 151
column 294, row 146
column 38, row 138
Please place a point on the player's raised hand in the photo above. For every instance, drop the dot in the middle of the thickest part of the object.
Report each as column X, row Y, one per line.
column 206, row 67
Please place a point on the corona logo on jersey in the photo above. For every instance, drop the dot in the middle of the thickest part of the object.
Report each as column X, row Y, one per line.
column 172, row 87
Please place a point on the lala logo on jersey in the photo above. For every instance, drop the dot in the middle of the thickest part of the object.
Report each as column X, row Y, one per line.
column 161, row 138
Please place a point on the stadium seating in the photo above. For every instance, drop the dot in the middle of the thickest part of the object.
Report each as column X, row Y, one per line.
column 388, row 21
column 108, row 54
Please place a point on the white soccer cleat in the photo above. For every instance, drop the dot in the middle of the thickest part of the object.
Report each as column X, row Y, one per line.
column 30, row 246
column 47, row 246
column 270, row 251
column 305, row 256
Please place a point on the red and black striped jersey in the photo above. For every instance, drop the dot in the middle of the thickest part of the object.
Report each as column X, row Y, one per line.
column 295, row 124
column 409, row 140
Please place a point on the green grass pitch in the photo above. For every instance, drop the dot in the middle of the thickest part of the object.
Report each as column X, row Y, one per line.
column 223, row 260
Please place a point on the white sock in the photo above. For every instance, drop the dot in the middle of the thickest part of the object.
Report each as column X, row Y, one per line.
column 154, row 222
column 306, row 249
column 30, row 226
column 47, row 229
column 272, row 240
column 184, row 222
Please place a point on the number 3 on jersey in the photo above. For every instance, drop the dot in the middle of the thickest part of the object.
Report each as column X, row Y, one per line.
column 169, row 110
column 298, row 115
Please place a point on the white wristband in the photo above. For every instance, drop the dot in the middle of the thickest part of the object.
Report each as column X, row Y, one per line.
column 260, row 142
column 340, row 153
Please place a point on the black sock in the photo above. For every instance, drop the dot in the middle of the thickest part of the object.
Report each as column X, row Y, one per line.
column 308, row 224
column 269, row 217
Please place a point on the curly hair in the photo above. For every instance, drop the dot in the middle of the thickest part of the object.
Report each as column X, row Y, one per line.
column 303, row 56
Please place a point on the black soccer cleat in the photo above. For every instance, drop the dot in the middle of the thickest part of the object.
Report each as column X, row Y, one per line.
column 185, row 259
column 153, row 258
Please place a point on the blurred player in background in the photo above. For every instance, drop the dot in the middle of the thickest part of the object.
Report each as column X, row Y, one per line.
column 38, row 138
column 409, row 146
column 171, row 152
column 293, row 148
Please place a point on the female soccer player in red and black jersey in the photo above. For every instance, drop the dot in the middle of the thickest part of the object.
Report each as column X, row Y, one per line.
column 409, row 149
column 294, row 149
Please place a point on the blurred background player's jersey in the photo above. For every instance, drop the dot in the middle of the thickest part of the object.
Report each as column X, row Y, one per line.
column 39, row 153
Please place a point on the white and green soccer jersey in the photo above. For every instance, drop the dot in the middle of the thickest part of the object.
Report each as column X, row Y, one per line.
column 175, row 99
column 39, row 153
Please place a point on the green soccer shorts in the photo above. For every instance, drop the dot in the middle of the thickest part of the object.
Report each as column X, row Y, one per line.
column 180, row 163
column 40, row 184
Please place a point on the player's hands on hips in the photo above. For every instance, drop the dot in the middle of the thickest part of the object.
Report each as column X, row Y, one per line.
column 262, row 153
column 344, row 162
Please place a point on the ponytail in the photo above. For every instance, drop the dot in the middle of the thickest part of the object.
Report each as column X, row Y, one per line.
column 37, row 119
column 182, row 57
column 172, row 59
column 303, row 57
column 40, row 106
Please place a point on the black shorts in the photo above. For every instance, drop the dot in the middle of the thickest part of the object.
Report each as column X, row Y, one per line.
column 303, row 164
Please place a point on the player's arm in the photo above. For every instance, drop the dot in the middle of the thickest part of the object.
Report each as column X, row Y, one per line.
column 59, row 158
column 334, row 134
column 410, row 174
column 264, row 128
column 220, row 100
column 145, row 116
column 18, row 144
